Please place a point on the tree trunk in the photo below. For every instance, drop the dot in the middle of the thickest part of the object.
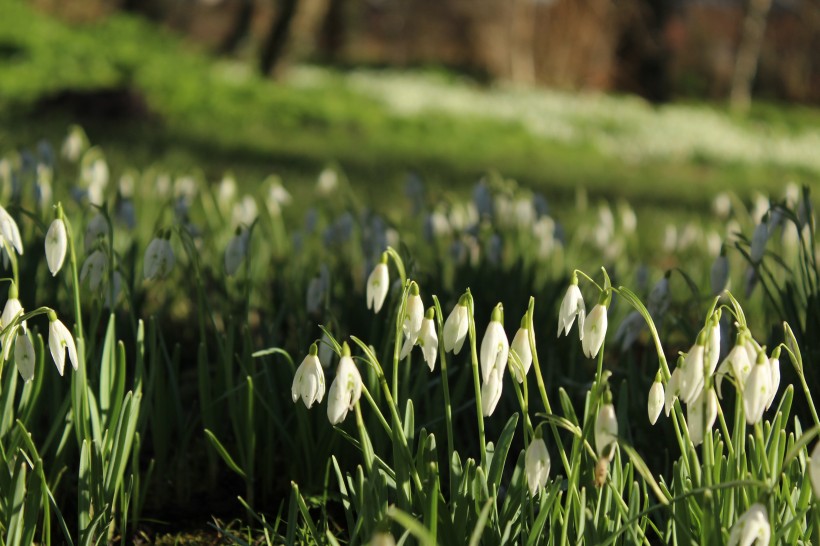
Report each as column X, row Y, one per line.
column 748, row 54
column 240, row 29
column 274, row 47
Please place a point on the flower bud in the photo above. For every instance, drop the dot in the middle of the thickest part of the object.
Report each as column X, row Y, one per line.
column 56, row 245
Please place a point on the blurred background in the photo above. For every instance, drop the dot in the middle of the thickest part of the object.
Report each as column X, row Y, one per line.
column 704, row 95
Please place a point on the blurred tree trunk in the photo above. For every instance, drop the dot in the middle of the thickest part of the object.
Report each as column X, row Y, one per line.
column 748, row 54
column 274, row 47
column 240, row 29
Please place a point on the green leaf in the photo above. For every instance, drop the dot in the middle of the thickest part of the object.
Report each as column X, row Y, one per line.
column 500, row 456
column 220, row 449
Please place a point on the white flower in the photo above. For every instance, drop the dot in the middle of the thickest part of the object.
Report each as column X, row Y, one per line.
column 236, row 251
column 691, row 380
column 325, row 350
column 719, row 274
column 656, row 401
column 774, row 368
column 93, row 270
column 456, row 326
column 56, row 246
column 9, row 231
column 377, row 285
column 24, row 356
column 74, row 144
column 594, row 331
column 737, row 363
column 60, row 339
column 428, row 339
column 12, row 309
column 97, row 227
column 309, row 381
column 159, row 259
column 495, row 348
column 758, row 390
column 814, row 469
column 571, row 306
column 521, row 346
column 345, row 390
column 704, row 404
column 672, row 391
column 491, row 393
column 537, row 465
column 758, row 245
column 751, row 528
column 413, row 314
column 606, row 431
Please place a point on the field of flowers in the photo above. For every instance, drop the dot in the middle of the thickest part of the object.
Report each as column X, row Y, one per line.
column 178, row 350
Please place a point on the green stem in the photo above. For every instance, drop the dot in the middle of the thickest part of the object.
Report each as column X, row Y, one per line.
column 476, row 382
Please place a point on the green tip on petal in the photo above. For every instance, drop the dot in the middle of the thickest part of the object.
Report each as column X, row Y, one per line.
column 431, row 312
column 606, row 296
column 314, row 350
column 574, row 279
column 538, row 434
column 464, row 299
column 13, row 293
column 525, row 321
column 345, row 349
column 776, row 352
column 52, row 316
column 498, row 314
column 607, row 396
column 658, row 378
column 58, row 211
column 385, row 257
column 414, row 288
column 761, row 356
column 702, row 337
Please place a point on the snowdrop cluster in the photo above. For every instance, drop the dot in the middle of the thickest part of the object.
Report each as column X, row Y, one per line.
column 592, row 327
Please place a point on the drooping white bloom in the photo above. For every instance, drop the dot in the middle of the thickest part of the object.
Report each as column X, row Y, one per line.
column 712, row 353
column 309, row 381
column 736, row 363
column 606, row 431
column 774, row 368
column 701, row 415
column 413, row 314
column 672, row 391
column 521, row 346
column 758, row 245
column 56, row 245
column 814, row 469
column 537, row 465
column 758, row 389
column 719, row 274
column 345, row 390
column 9, row 231
column 236, row 251
column 74, row 144
column 691, row 380
column 12, row 309
column 571, row 306
column 159, row 259
column 656, row 401
column 377, row 285
column 495, row 348
column 24, row 356
column 428, row 339
column 60, row 340
column 751, row 528
column 594, row 331
column 456, row 326
column 93, row 270
column 97, row 227
column 491, row 393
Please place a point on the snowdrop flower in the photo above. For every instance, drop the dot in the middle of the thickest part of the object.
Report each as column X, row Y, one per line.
column 456, row 326
column 159, row 257
column 491, row 393
column 236, row 251
column 537, row 464
column 12, row 310
column 736, row 363
column 571, row 306
column 606, row 429
column 758, row 245
column 751, row 528
column 345, row 390
column 245, row 211
column 24, row 356
column 814, row 469
column 74, row 144
column 377, row 285
column 413, row 313
column 327, row 182
column 701, row 415
column 758, row 389
column 691, row 380
column 521, row 346
column 712, row 354
column 9, row 231
column 60, row 340
column 672, row 389
column 495, row 348
column 719, row 274
column 309, row 381
column 594, row 330
column 56, row 245
column 774, row 368
column 428, row 339
column 95, row 229
column 656, row 400
column 93, row 270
